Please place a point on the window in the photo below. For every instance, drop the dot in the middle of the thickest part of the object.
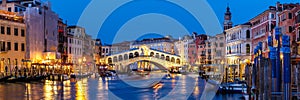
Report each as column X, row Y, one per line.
column 290, row 15
column 2, row 30
column 283, row 17
column 2, row 45
column 70, row 50
column 248, row 34
column 22, row 32
column 272, row 16
column 290, row 29
column 16, row 47
column 221, row 44
column 8, row 30
column 16, row 9
column 22, row 47
column 16, row 31
column 248, row 48
column 8, row 45
column 9, row 9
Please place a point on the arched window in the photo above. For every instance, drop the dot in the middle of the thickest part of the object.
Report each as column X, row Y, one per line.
column 109, row 60
column 178, row 61
column 130, row 55
column 162, row 56
column 248, row 34
column 248, row 48
column 136, row 54
column 115, row 59
column 157, row 55
column 125, row 56
column 151, row 54
column 120, row 57
column 167, row 58
column 173, row 59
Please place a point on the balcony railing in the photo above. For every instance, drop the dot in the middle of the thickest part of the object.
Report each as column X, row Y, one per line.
column 260, row 35
column 3, row 50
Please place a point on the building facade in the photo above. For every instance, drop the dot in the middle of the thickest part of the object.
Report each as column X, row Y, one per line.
column 120, row 47
column 263, row 26
column 192, row 53
column 62, row 41
column 39, row 18
column 219, row 49
column 201, row 48
column 238, row 50
column 75, row 45
column 97, row 51
column 106, row 50
column 181, row 47
column 12, row 41
column 164, row 44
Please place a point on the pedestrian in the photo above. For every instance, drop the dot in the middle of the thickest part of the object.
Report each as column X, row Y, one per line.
column 6, row 69
column 25, row 72
column 20, row 72
column 16, row 70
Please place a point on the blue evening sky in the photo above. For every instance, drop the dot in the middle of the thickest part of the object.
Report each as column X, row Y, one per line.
column 242, row 11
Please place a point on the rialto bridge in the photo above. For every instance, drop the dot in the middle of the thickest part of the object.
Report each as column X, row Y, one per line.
column 162, row 60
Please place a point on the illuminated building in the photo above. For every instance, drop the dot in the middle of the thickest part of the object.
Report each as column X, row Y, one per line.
column 289, row 22
column 97, row 50
column 262, row 27
column 182, row 48
column 219, row 49
column 12, row 40
column 201, row 48
column 120, row 47
column 297, row 51
column 192, row 53
column 164, row 44
column 238, row 49
column 41, row 24
column 88, row 52
column 80, row 46
column 62, row 41
column 106, row 50
column 75, row 44
column 209, row 48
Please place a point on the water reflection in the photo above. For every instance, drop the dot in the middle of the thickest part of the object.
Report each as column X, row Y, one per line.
column 102, row 88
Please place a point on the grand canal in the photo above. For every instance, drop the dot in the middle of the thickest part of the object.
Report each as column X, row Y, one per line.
column 94, row 88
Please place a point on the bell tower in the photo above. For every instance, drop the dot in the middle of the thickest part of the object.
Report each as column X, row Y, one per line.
column 227, row 19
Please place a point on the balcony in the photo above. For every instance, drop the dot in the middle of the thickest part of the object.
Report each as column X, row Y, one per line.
column 298, row 39
column 260, row 35
column 3, row 50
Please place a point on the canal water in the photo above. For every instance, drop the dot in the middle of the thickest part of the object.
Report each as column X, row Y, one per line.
column 113, row 88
